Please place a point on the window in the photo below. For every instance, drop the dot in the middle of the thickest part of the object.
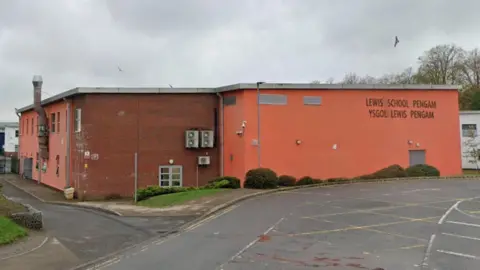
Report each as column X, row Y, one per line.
column 229, row 100
column 16, row 133
column 78, row 120
column 16, row 147
column 58, row 165
column 37, row 125
column 469, row 130
column 52, row 123
column 58, row 121
column 33, row 127
column 66, row 120
column 170, row 176
column 273, row 99
column 26, row 130
column 311, row 100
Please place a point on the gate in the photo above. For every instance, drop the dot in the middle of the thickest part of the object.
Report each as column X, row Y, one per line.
column 28, row 168
column 5, row 165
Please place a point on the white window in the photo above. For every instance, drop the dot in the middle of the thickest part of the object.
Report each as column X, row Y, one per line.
column 78, row 120
column 469, row 130
column 272, row 99
column 170, row 176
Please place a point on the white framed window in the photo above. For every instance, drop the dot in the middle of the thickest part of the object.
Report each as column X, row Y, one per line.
column 170, row 176
column 78, row 120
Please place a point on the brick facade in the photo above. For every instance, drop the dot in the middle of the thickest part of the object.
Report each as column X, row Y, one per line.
column 115, row 126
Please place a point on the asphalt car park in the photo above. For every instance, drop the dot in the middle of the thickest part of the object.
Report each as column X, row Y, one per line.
column 393, row 225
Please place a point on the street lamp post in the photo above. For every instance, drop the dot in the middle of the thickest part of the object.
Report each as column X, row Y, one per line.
column 258, row 123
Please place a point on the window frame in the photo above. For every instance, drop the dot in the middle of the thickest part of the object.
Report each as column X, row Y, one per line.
column 465, row 130
column 58, row 122
column 53, row 122
column 272, row 99
column 77, row 120
column 312, row 100
column 170, row 173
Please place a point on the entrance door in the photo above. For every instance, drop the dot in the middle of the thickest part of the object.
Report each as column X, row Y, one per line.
column 170, row 176
column 28, row 168
column 416, row 157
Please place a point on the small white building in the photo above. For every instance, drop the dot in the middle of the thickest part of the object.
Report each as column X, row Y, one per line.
column 469, row 124
column 9, row 138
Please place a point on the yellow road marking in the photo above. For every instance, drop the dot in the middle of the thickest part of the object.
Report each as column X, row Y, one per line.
column 362, row 227
column 398, row 235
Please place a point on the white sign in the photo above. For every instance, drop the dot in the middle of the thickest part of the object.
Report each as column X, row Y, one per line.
column 86, row 154
column 94, row 157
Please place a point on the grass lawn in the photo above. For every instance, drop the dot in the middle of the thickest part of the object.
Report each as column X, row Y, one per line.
column 10, row 231
column 178, row 198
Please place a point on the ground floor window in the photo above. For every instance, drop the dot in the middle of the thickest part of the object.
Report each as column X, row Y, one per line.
column 170, row 176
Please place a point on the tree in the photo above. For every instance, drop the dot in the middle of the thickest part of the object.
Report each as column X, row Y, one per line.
column 472, row 152
column 470, row 68
column 441, row 65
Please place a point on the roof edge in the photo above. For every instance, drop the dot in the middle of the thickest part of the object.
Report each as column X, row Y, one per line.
column 233, row 87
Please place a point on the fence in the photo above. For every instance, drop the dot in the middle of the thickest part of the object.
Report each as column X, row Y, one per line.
column 9, row 165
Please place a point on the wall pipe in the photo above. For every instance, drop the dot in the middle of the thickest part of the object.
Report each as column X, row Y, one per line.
column 221, row 133
column 258, row 125
column 67, row 163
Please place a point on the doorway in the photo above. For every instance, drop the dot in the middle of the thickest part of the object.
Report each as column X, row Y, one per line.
column 416, row 157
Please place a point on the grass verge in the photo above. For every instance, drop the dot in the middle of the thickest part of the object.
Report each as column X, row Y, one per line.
column 178, row 198
column 10, row 231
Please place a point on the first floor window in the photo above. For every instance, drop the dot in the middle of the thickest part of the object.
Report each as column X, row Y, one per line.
column 170, row 176
column 52, row 122
column 77, row 120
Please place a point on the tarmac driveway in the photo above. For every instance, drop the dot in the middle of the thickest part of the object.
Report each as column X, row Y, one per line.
column 433, row 224
column 90, row 234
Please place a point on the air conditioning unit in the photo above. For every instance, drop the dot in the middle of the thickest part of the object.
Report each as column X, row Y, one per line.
column 204, row 160
column 191, row 139
column 206, row 138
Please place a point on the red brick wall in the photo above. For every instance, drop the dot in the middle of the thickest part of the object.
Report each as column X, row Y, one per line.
column 115, row 126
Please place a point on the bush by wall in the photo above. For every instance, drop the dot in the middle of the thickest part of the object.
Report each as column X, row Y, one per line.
column 151, row 191
column 286, row 180
column 261, row 178
column 232, row 182
column 306, row 180
column 422, row 170
column 393, row 171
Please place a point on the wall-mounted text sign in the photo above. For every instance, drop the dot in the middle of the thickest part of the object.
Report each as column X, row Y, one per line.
column 401, row 108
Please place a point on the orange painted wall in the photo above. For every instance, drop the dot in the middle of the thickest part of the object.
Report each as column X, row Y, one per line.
column 57, row 145
column 364, row 144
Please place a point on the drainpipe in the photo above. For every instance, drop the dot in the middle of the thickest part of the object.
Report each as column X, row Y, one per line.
column 67, row 163
column 221, row 133
column 258, row 123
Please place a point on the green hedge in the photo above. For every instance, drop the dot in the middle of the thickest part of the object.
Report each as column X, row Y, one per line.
column 231, row 182
column 261, row 178
column 286, row 180
column 422, row 170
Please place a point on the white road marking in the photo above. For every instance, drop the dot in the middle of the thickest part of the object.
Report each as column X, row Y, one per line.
column 442, row 219
column 464, row 223
column 428, row 251
column 461, row 236
column 26, row 252
column 250, row 244
column 459, row 254
column 104, row 264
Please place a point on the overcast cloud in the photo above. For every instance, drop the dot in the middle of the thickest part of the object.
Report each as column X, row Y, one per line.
column 215, row 42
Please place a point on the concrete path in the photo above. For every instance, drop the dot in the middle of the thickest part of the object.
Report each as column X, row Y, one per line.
column 393, row 226
column 85, row 234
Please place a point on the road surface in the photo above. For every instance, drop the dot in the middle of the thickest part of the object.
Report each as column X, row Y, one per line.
column 395, row 225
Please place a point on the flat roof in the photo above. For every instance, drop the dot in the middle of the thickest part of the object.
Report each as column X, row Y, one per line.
column 9, row 124
column 233, row 87
column 469, row 112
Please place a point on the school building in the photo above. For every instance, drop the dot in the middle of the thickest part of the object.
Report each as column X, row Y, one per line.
column 102, row 140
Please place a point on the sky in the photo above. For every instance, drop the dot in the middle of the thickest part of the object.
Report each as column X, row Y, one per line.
column 209, row 43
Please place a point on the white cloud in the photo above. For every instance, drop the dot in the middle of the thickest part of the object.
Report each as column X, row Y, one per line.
column 215, row 42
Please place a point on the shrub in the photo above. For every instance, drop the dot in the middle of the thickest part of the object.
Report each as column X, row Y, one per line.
column 306, row 180
column 337, row 180
column 233, row 182
column 261, row 178
column 286, row 180
column 393, row 171
column 151, row 191
column 217, row 184
column 422, row 170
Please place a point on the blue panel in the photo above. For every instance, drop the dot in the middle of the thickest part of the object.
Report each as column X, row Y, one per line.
column 2, row 142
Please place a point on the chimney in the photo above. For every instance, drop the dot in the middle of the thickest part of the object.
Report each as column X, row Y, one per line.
column 42, row 117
